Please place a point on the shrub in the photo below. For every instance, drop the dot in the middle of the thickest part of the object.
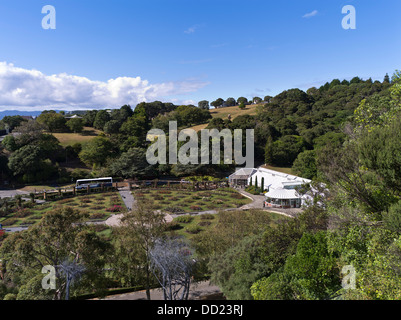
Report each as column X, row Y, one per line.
column 184, row 219
column 174, row 209
column 97, row 215
column 115, row 208
column 172, row 226
column 22, row 213
column 207, row 216
column 237, row 196
column 9, row 221
column 193, row 229
column 195, row 208
column 205, row 223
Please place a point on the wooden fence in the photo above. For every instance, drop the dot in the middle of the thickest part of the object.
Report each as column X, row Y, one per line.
column 131, row 185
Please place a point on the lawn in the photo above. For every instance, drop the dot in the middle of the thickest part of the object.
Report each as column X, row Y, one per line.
column 184, row 201
column 99, row 206
column 69, row 139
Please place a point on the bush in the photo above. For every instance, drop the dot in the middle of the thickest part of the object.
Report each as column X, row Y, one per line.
column 9, row 221
column 184, row 219
column 205, row 223
column 97, row 215
column 174, row 209
column 22, row 213
column 195, row 208
column 253, row 190
column 10, row 296
column 207, row 216
column 115, row 208
column 172, row 226
column 237, row 196
column 193, row 229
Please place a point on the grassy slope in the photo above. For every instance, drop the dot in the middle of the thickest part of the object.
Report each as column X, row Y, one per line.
column 224, row 112
column 68, row 139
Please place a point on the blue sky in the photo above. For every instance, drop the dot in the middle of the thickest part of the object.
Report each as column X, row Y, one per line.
column 108, row 53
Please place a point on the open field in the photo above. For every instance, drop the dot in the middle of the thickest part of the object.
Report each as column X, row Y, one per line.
column 224, row 112
column 69, row 139
column 234, row 111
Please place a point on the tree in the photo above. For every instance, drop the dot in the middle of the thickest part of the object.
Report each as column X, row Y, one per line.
column 112, row 127
column 54, row 122
column 25, row 160
column 102, row 117
column 59, row 236
column 257, row 100
column 310, row 274
column 172, row 263
column 242, row 100
column 76, row 125
column 242, row 106
column 217, row 103
column 96, row 151
column 135, row 239
column 11, row 122
column 305, row 165
column 284, row 151
column 132, row 164
column 268, row 99
column 89, row 117
column 230, row 102
column 204, row 104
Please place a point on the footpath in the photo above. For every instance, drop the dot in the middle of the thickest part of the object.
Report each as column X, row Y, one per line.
column 198, row 291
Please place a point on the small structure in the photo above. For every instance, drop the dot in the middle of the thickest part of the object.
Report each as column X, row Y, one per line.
column 240, row 178
column 280, row 188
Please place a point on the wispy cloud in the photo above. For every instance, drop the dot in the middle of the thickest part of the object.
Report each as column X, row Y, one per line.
column 23, row 89
column 192, row 29
column 310, row 14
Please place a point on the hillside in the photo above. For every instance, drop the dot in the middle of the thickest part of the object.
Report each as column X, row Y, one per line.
column 69, row 139
column 224, row 112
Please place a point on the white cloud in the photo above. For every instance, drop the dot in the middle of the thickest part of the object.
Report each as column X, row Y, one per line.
column 192, row 29
column 23, row 89
column 310, row 14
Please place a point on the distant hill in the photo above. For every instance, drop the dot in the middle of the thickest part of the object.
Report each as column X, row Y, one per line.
column 19, row 113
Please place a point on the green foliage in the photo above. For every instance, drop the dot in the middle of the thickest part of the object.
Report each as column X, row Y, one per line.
column 96, row 151
column 54, row 122
column 305, row 165
column 284, row 151
column 75, row 125
column 102, row 117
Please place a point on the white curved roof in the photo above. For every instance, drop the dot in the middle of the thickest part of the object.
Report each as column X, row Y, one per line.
column 282, row 194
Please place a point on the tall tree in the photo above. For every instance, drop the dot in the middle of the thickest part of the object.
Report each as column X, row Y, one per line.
column 135, row 239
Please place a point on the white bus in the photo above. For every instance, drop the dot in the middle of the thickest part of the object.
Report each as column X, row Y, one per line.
column 94, row 183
